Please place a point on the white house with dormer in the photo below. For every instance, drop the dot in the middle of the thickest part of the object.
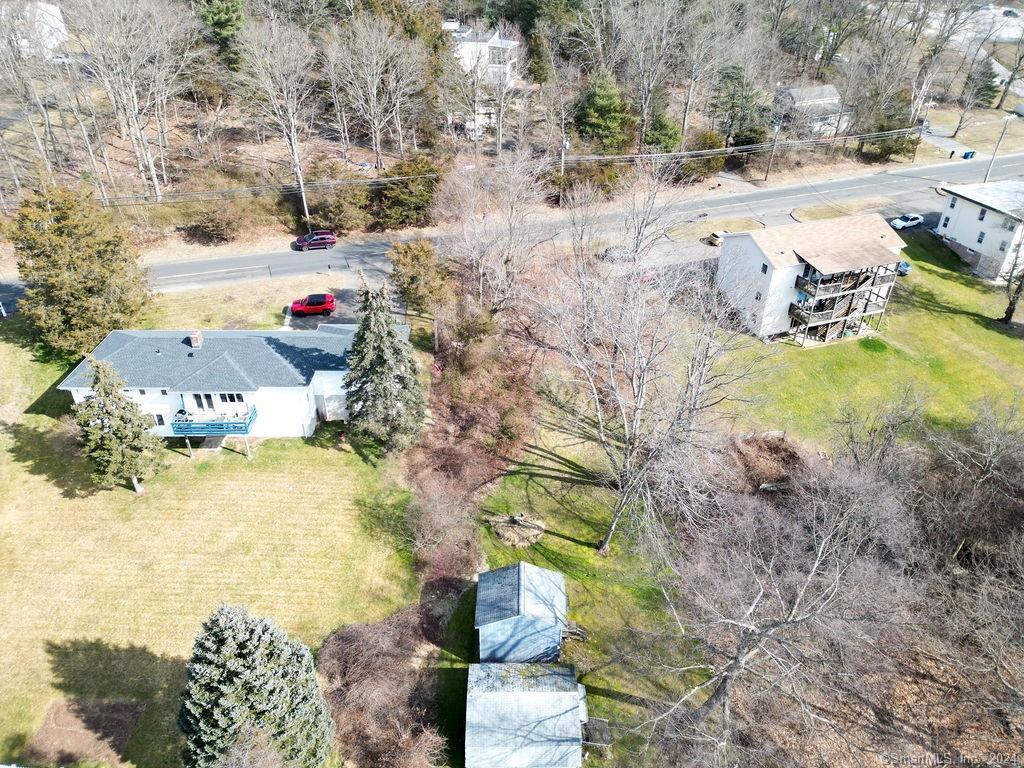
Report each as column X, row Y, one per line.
column 984, row 224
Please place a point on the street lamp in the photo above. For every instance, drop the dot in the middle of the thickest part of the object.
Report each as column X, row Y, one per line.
column 992, row 162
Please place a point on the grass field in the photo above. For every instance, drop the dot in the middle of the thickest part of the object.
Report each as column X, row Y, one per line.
column 697, row 230
column 939, row 336
column 102, row 592
column 982, row 130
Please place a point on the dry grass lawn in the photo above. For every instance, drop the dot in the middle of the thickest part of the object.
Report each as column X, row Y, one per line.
column 982, row 130
column 846, row 208
column 102, row 592
column 697, row 230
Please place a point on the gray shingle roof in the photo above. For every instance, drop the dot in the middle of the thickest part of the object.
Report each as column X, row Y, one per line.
column 523, row 716
column 521, row 589
column 227, row 361
column 811, row 93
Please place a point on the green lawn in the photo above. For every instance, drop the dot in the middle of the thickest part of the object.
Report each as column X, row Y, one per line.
column 938, row 336
column 607, row 595
column 102, row 592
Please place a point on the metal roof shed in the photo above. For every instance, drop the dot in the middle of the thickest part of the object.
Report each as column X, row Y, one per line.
column 521, row 613
column 524, row 716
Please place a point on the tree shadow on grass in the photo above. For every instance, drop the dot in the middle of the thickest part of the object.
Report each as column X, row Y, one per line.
column 383, row 514
column 53, row 455
column 98, row 670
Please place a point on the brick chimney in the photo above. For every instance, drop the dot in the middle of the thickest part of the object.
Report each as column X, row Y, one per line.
column 196, row 339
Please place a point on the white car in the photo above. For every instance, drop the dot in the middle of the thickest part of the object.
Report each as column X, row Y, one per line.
column 906, row 220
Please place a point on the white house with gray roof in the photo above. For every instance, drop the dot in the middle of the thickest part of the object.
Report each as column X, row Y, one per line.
column 521, row 613
column 254, row 383
column 982, row 224
column 524, row 716
column 484, row 52
column 814, row 110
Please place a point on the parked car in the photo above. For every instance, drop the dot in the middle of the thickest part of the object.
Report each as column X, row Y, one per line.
column 321, row 238
column 314, row 304
column 903, row 268
column 906, row 221
column 715, row 238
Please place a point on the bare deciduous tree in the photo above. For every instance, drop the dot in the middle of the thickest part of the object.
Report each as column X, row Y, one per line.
column 495, row 211
column 650, row 40
column 643, row 348
column 278, row 78
column 380, row 72
column 140, row 51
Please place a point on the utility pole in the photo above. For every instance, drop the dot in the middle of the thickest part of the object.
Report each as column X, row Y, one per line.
column 771, row 157
column 1002, row 133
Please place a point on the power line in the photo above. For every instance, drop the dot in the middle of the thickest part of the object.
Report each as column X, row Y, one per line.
column 234, row 193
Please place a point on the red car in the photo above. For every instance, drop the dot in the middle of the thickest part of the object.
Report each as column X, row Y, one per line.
column 314, row 304
column 321, row 238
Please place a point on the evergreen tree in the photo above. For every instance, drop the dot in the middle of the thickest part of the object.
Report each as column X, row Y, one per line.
column 601, row 115
column 223, row 19
column 82, row 278
column 981, row 87
column 736, row 104
column 246, row 676
column 115, row 433
column 664, row 134
column 408, row 202
column 385, row 401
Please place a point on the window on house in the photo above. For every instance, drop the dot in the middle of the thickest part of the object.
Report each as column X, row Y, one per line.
column 223, row 398
column 981, row 214
column 981, row 237
column 209, row 401
column 159, row 419
column 238, row 397
column 952, row 203
column 163, row 391
column 142, row 391
column 757, row 296
column 764, row 269
column 1002, row 245
column 945, row 221
column 199, row 401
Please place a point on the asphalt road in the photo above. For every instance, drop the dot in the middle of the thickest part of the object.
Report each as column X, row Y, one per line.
column 910, row 189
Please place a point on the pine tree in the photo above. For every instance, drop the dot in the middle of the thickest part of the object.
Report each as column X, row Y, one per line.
column 245, row 677
column 664, row 134
column 385, row 402
column 115, row 433
column 82, row 278
column 601, row 116
column 224, row 19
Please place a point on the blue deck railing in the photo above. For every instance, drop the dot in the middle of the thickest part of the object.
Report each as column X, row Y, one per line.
column 191, row 426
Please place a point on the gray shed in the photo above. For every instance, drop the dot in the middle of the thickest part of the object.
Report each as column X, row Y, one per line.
column 524, row 716
column 521, row 613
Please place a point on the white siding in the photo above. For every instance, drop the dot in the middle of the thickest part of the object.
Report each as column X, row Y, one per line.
column 960, row 225
column 763, row 298
column 280, row 411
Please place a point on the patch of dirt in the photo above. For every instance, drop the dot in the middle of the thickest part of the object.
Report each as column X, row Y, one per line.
column 176, row 246
column 765, row 459
column 77, row 729
column 519, row 531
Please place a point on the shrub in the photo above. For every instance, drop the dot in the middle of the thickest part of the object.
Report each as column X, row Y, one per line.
column 420, row 278
column 219, row 225
column 375, row 694
column 604, row 176
column 750, row 134
column 407, row 203
column 697, row 169
column 344, row 208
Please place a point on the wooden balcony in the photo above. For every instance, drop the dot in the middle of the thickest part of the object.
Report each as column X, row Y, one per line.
column 201, row 424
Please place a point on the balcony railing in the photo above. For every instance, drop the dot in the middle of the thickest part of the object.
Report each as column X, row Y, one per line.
column 195, row 424
column 827, row 316
column 824, row 289
column 811, row 318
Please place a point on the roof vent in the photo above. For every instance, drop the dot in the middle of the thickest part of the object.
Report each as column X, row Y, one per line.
column 196, row 339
